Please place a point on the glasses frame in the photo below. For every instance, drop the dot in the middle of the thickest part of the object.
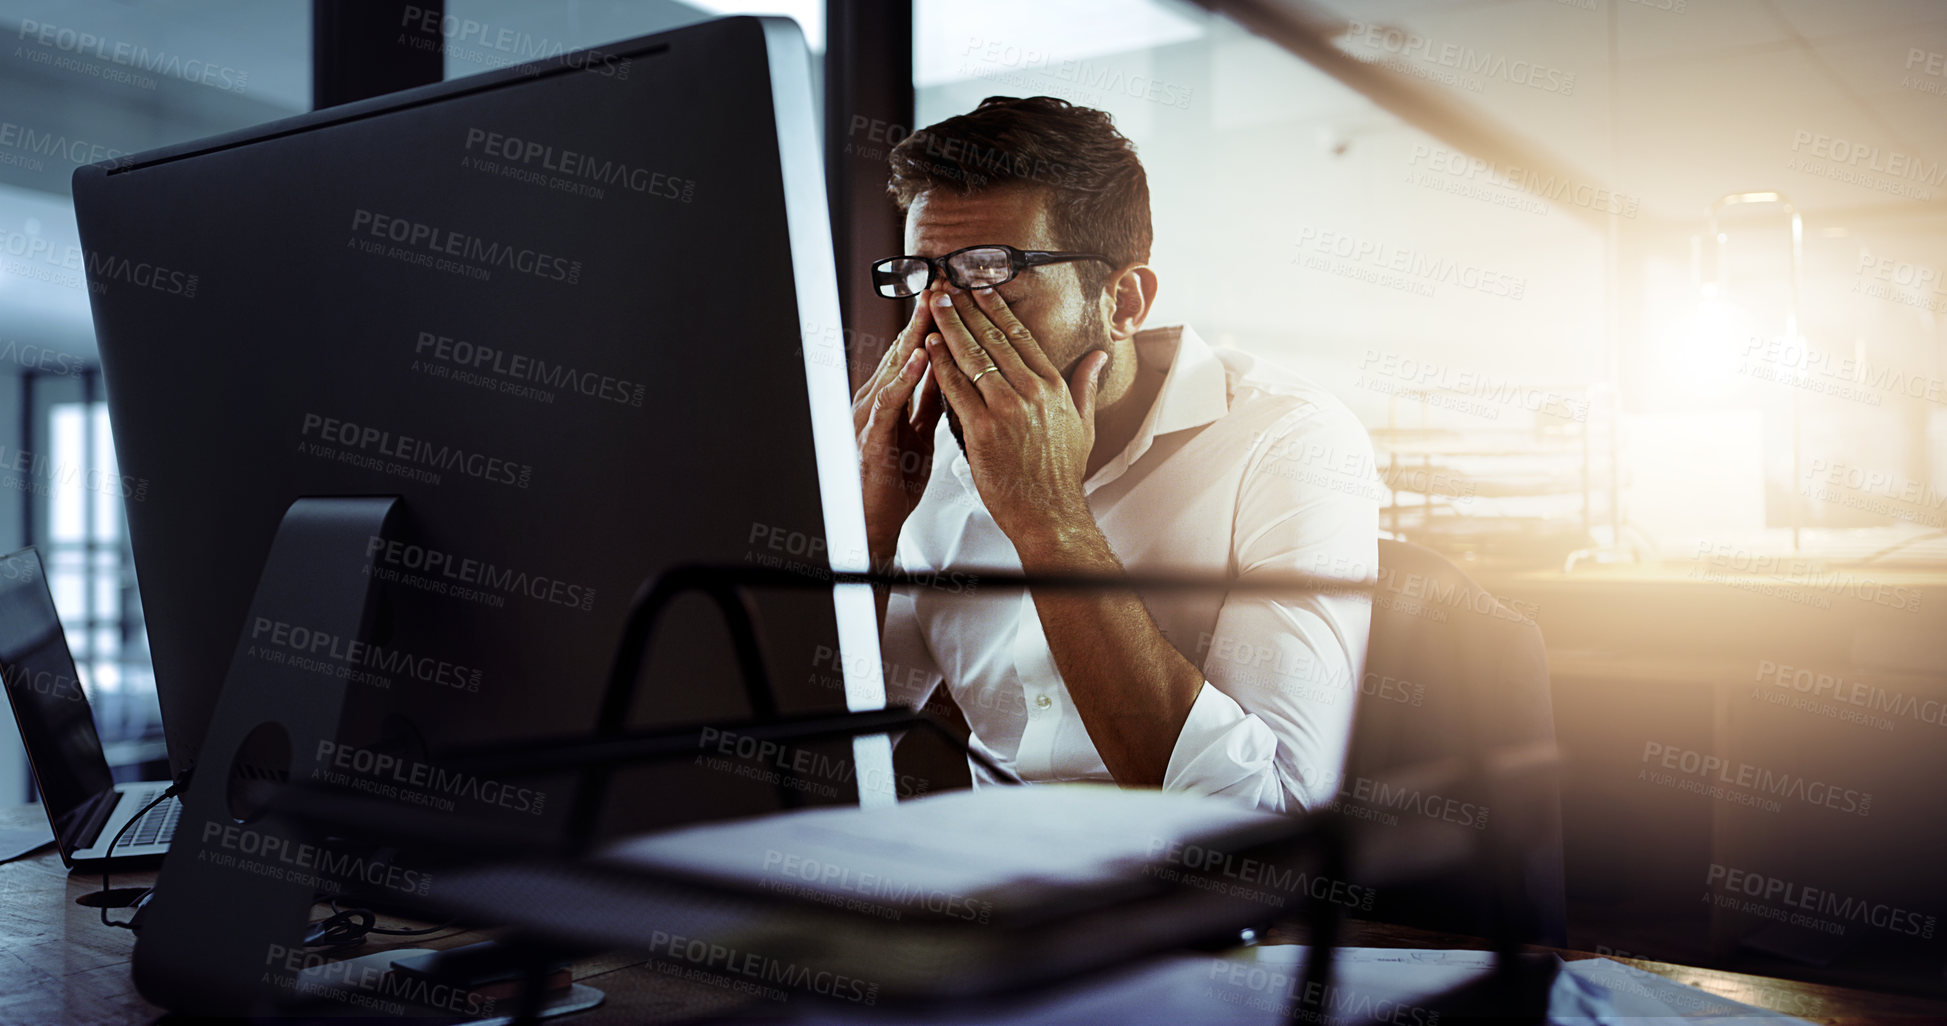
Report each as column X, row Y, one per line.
column 1018, row 260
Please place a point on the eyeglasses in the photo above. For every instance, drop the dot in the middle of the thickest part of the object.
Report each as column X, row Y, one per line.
column 974, row 267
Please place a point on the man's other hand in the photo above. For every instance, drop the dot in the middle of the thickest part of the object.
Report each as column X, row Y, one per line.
column 895, row 434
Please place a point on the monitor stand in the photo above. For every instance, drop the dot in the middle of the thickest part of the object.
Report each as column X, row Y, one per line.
column 236, row 890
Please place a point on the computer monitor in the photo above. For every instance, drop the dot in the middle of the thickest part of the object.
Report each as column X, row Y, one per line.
column 580, row 315
column 580, row 318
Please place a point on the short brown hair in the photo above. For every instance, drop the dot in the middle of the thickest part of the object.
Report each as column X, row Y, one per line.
column 1099, row 195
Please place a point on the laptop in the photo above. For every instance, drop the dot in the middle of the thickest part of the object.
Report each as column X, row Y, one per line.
column 84, row 803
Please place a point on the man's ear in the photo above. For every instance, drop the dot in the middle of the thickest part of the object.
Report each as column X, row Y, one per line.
column 1132, row 293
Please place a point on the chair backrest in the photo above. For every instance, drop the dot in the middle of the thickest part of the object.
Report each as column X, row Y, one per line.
column 1454, row 676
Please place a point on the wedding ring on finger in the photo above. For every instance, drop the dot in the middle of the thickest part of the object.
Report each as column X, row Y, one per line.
column 989, row 370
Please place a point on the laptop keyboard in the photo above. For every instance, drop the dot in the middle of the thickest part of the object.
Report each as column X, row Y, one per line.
column 157, row 825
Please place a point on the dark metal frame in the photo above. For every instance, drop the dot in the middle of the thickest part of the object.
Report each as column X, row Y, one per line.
column 868, row 107
column 1515, row 991
column 356, row 53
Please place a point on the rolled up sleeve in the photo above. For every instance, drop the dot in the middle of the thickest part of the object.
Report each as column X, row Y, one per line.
column 1272, row 723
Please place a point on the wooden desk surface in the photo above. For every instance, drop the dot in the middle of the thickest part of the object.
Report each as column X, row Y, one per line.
column 1810, row 1001
column 62, row 966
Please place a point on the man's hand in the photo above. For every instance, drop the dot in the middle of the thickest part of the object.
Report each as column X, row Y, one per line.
column 896, row 435
column 1028, row 432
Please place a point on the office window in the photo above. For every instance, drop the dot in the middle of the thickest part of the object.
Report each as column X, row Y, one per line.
column 1536, row 330
column 91, row 573
column 1281, row 199
column 480, row 35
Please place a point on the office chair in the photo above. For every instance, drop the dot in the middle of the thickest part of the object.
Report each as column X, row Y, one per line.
column 1481, row 675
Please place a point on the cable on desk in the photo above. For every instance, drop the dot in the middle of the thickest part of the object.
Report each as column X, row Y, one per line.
column 346, row 927
column 169, row 792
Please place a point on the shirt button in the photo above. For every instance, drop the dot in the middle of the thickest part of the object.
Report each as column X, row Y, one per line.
column 1042, row 701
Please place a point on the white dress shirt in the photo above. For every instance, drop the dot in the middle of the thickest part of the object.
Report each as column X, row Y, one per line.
column 1240, row 467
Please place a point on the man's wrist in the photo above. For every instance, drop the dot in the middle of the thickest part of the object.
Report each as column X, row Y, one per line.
column 1059, row 543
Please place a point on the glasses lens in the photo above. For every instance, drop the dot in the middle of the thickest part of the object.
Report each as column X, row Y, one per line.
column 983, row 267
column 900, row 277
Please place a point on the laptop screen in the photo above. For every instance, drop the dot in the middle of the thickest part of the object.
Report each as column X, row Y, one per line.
column 55, row 724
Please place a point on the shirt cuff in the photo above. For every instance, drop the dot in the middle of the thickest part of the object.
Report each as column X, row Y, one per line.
column 1225, row 751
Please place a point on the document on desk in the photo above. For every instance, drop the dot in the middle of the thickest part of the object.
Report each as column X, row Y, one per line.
column 1626, row 994
column 988, row 851
column 18, row 841
column 1260, row 986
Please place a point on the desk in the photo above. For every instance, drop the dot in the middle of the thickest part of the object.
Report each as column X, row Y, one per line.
column 62, row 966
column 1812, row 1001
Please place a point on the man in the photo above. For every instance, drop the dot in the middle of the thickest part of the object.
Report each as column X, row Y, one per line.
column 1076, row 441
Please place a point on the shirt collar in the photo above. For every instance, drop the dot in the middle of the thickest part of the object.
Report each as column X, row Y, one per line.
column 1194, row 393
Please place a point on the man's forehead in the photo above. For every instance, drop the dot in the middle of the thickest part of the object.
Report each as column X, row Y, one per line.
column 942, row 220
